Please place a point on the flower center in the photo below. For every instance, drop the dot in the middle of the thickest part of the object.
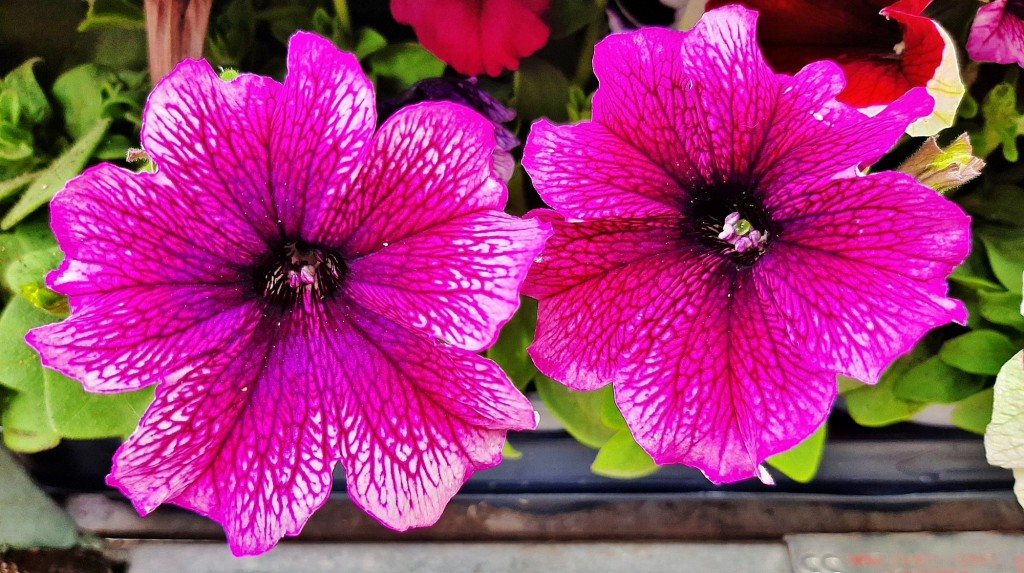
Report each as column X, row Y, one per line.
column 1016, row 8
column 732, row 221
column 298, row 272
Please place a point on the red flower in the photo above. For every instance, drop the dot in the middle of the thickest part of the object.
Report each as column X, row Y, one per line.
column 885, row 48
column 477, row 36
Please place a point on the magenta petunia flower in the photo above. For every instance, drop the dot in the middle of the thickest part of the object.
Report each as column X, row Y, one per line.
column 721, row 257
column 304, row 292
column 997, row 34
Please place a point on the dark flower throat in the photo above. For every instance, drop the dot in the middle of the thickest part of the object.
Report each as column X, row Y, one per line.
column 295, row 272
column 730, row 220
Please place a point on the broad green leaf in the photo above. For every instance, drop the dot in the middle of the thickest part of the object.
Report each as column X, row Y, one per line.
column 622, row 458
column 30, row 519
column 611, row 416
column 934, row 381
column 1004, row 436
column 1001, row 307
column 878, row 405
column 26, row 425
column 975, row 272
column 11, row 187
column 973, row 414
column 20, row 368
column 405, row 64
column 801, row 463
column 26, row 275
column 978, row 351
column 1005, row 251
column 33, row 106
column 568, row 16
column 579, row 412
column 370, row 41
column 80, row 94
column 79, row 415
column 54, row 177
column 126, row 14
column 30, row 236
column 541, row 90
column 515, row 338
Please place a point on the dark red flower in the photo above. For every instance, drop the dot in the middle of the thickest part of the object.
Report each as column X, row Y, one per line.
column 477, row 36
column 885, row 48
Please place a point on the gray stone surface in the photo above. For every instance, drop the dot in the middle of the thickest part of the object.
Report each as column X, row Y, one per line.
column 161, row 557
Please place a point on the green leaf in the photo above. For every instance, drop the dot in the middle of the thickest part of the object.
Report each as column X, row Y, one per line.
column 541, row 90
column 934, row 381
column 30, row 519
column 510, row 453
column 80, row 93
column 580, row 107
column 878, row 405
column 370, row 41
column 566, row 17
column 26, row 425
column 579, row 412
column 29, row 236
column 1001, row 124
column 611, row 416
column 1001, row 203
column 79, row 415
column 975, row 272
column 20, row 369
column 622, row 458
column 26, row 275
column 1002, row 307
column 1005, row 251
column 973, row 414
column 34, row 107
column 515, row 338
column 54, row 177
column 801, row 463
column 405, row 64
column 11, row 187
column 124, row 14
column 978, row 351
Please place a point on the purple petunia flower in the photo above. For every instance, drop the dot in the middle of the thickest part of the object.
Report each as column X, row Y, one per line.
column 721, row 259
column 997, row 34
column 303, row 290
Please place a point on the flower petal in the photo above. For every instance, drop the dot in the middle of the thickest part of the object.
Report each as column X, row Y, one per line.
column 714, row 382
column 458, row 281
column 321, row 135
column 138, row 336
column 120, row 229
column 884, row 245
column 621, row 180
column 997, row 35
column 477, row 36
column 250, row 440
column 210, row 138
column 418, row 419
column 593, row 281
column 690, row 94
column 429, row 163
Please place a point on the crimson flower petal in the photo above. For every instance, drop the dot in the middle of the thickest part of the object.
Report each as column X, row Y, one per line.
column 477, row 36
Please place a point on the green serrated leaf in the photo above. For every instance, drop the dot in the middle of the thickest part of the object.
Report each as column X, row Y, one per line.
column 622, row 458
column 79, row 415
column 26, row 425
column 30, row 519
column 405, row 64
column 20, row 369
column 541, row 90
column 934, row 381
column 34, row 107
column 124, row 14
column 515, row 338
column 973, row 414
column 1001, row 307
column 978, row 352
column 54, row 177
column 579, row 412
column 801, row 463
column 1005, row 250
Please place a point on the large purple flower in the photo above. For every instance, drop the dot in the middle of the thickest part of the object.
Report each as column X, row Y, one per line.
column 721, row 259
column 303, row 290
